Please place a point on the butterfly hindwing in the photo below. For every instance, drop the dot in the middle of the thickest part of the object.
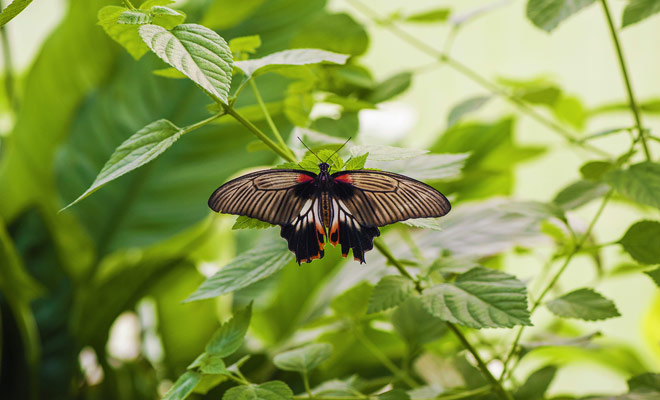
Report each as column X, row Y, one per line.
column 305, row 233
column 347, row 231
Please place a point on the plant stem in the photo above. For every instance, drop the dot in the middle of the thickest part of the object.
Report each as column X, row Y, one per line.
column 129, row 4
column 201, row 123
column 8, row 66
column 306, row 383
column 388, row 255
column 384, row 359
column 626, row 80
column 276, row 132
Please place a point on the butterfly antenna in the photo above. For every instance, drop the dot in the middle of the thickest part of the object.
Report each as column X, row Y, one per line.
column 310, row 150
column 336, row 151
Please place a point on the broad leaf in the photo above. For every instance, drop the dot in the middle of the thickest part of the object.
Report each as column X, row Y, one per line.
column 548, row 14
column 274, row 390
column 338, row 33
column 304, row 359
column 638, row 10
column 125, row 34
column 243, row 222
column 642, row 241
column 12, row 10
column 139, row 149
column 480, row 298
column 166, row 17
column 466, row 107
column 356, row 162
column 585, row 304
column 640, row 182
column 579, row 193
column 655, row 275
column 354, row 302
column 595, row 170
column 131, row 17
column 285, row 58
column 570, row 109
column 415, row 324
column 245, row 44
column 183, row 386
column 390, row 291
column 228, row 338
column 390, row 87
column 210, row 364
column 430, row 16
column 198, row 52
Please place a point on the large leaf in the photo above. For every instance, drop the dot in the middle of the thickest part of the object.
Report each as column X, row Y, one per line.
column 585, row 304
column 548, row 14
column 390, row 291
column 638, row 10
column 642, row 241
column 287, row 58
column 480, row 298
column 304, row 359
column 640, row 182
column 126, row 34
column 197, row 52
column 244, row 270
column 229, row 337
column 274, row 390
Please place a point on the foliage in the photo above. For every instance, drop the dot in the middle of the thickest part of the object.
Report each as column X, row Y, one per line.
column 112, row 128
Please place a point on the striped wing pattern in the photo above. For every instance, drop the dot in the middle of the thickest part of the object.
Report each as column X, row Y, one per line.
column 306, row 234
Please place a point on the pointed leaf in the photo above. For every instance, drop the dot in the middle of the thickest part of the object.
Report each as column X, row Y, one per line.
column 139, row 149
column 640, row 182
column 585, row 304
column 274, row 390
column 655, row 275
column 228, row 338
column 210, row 364
column 547, row 14
column 536, row 384
column 285, row 58
column 430, row 16
column 131, row 17
column 12, row 10
column 480, row 298
column 579, row 193
column 304, row 359
column 390, row 87
column 198, row 52
column 125, row 34
column 167, row 17
column 465, row 107
column 390, row 291
column 642, row 242
column 356, row 162
column 638, row 10
column 183, row 386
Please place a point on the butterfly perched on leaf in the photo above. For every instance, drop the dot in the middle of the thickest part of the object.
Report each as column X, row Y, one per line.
column 344, row 207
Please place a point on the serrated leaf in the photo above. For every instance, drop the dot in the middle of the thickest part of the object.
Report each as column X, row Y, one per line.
column 228, row 338
column 642, row 241
column 125, row 35
column 638, row 10
column 548, row 14
column 196, row 51
column 480, row 298
column 356, row 162
column 134, row 17
column 183, row 386
column 139, row 149
column 655, row 275
column 424, row 223
column 430, row 16
column 245, row 44
column 274, row 390
column 167, row 17
column 466, row 107
column 285, row 58
column 250, row 267
column 536, row 384
column 389, row 292
column 304, row 359
column 12, row 10
column 640, row 182
column 210, row 364
column 585, row 304
column 354, row 302
column 243, row 222
column 579, row 193
column 390, row 87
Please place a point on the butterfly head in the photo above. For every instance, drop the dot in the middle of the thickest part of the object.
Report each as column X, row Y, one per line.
column 324, row 167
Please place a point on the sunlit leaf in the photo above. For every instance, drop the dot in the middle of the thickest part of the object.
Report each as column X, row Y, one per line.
column 642, row 241
column 228, row 338
column 356, row 162
column 303, row 359
column 183, row 386
column 171, row 73
column 338, row 33
column 167, row 17
column 585, row 304
column 273, row 390
column 430, row 16
column 286, row 58
column 466, row 107
column 548, row 14
column 124, row 34
column 132, row 17
column 210, row 364
column 638, row 10
column 148, row 4
column 570, row 109
column 390, row 291
column 640, row 182
column 424, row 223
column 245, row 44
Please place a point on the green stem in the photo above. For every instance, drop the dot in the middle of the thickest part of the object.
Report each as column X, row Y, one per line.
column 626, row 80
column 8, row 65
column 201, row 123
column 272, row 125
column 129, row 4
column 384, row 359
column 306, row 383
column 388, row 255
column 466, row 394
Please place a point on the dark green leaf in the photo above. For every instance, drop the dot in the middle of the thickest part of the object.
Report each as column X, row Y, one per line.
column 579, row 193
column 480, row 298
column 638, row 10
column 640, row 182
column 210, row 364
column 228, row 338
column 585, row 304
column 415, row 324
column 183, row 386
column 304, row 359
column 465, row 107
column 354, row 302
column 642, row 241
column 547, row 14
column 274, row 390
column 595, row 170
column 285, row 58
column 124, row 34
column 655, row 275
column 430, row 16
column 536, row 384
column 390, row 291
column 243, row 222
column 338, row 33
column 648, row 382
column 390, row 87
column 246, row 269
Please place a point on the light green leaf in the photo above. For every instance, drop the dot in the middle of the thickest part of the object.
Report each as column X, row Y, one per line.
column 570, row 109
column 394, row 394
column 171, row 73
column 244, row 222
column 147, row 5
column 274, row 390
column 642, row 242
column 640, row 182
column 415, row 324
column 299, row 102
column 390, row 291
column 124, row 34
column 198, row 52
column 210, row 364
column 579, row 193
column 585, row 304
column 430, row 16
column 548, row 14
column 225, row 14
column 390, row 87
column 595, row 170
column 655, row 275
column 480, row 298
column 208, row 382
column 354, row 302
column 246, row 269
column 638, row 10
column 338, row 33
column 538, row 90
column 304, row 359
column 536, row 384
column 134, row 17
column 349, row 104
column 424, row 223
column 183, row 386
column 356, row 162
column 13, row 10
column 167, row 17
column 285, row 58
column 228, row 338
column 245, row 44
column 465, row 107
column 139, row 149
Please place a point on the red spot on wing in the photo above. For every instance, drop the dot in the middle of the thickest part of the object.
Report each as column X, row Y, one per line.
column 304, row 178
column 346, row 178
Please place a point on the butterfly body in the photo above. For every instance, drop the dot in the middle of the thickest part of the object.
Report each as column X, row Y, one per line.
column 344, row 208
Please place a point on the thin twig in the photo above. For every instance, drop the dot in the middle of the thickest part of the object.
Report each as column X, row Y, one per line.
column 272, row 125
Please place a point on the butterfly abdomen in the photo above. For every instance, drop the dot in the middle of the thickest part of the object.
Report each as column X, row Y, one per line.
column 325, row 208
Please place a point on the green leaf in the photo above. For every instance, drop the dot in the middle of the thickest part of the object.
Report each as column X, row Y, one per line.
column 13, row 10
column 386, row 153
column 124, row 34
column 480, row 298
column 585, row 304
column 595, row 170
column 424, row 223
column 228, row 338
column 394, row 394
column 304, row 359
column 465, row 107
column 338, row 33
column 640, row 182
column 354, row 302
column 225, row 14
column 246, row 269
column 390, row 87
column 132, row 17
column 273, row 390
column 170, row 73
column 647, row 382
column 210, row 364
column 283, row 59
column 390, row 291
column 139, row 149
column 356, row 162
column 299, row 102
column 548, row 14
column 536, row 384
column 245, row 44
column 167, row 17
column 579, row 193
column 570, row 109
column 642, row 242
column 148, row 4
column 638, row 10
column 196, row 51
column 183, row 386
column 430, row 16
column 655, row 275
column 243, row 222
column 415, row 324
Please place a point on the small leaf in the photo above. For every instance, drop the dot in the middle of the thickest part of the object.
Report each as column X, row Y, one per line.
column 465, row 107
column 210, row 364
column 125, row 35
column 354, row 302
column 246, row 269
column 304, row 359
column 273, row 390
column 547, row 14
column 390, row 87
column 183, row 386
column 638, row 10
column 228, row 338
column 139, row 149
column 134, row 17
column 579, row 193
column 480, row 298
column 356, row 162
column 642, row 242
column 640, row 182
column 536, row 384
column 390, row 291
column 245, row 44
column 595, row 170
column 196, row 51
column 167, row 17
column 424, row 223
column 285, row 58
column 585, row 304
column 655, row 275
column 174, row 74
column 243, row 222
column 415, row 324
column 430, row 16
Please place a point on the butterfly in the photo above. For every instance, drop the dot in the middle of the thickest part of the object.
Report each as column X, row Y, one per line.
column 344, row 207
